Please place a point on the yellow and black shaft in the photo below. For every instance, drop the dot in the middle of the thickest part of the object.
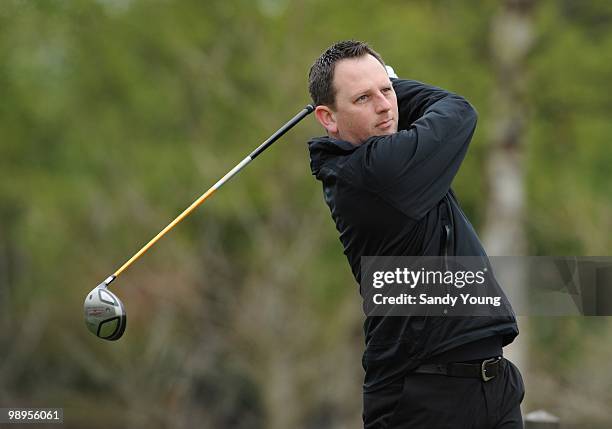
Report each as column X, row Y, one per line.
column 279, row 133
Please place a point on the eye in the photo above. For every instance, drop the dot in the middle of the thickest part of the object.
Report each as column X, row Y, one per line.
column 387, row 90
column 362, row 98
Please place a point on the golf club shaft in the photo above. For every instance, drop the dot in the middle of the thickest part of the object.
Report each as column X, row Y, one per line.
column 279, row 133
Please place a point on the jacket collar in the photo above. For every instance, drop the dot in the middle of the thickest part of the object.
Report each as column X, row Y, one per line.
column 325, row 147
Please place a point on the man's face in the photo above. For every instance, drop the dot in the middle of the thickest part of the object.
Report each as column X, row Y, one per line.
column 366, row 104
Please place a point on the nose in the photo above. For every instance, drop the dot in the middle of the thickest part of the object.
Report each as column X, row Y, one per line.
column 382, row 103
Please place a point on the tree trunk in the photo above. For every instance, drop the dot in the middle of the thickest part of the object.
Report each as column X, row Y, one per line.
column 504, row 234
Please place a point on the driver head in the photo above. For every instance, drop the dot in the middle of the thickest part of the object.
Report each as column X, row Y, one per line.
column 104, row 313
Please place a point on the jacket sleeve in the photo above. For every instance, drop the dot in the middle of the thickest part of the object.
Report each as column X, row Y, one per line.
column 413, row 168
column 413, row 100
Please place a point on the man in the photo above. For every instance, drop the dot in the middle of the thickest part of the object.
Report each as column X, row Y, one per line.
column 391, row 151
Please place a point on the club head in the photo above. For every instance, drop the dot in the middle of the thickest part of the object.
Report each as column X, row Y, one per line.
column 104, row 313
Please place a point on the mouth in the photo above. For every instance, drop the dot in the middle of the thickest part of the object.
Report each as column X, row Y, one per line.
column 385, row 124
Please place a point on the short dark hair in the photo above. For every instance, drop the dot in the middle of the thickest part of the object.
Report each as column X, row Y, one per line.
column 321, row 75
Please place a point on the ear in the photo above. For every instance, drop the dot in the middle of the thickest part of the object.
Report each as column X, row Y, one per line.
column 327, row 118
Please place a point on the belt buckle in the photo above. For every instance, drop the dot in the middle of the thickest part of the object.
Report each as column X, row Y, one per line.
column 483, row 368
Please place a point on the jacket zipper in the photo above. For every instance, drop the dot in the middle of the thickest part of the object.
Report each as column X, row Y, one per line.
column 447, row 231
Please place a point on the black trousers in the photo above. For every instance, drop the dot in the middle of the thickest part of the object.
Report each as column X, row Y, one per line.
column 431, row 401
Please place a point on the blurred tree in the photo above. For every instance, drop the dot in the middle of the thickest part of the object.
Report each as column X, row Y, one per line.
column 512, row 37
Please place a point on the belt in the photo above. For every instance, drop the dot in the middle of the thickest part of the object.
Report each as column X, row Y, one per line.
column 486, row 370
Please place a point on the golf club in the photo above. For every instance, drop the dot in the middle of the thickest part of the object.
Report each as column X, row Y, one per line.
column 105, row 314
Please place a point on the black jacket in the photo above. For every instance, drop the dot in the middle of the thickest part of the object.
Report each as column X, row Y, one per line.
column 391, row 196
